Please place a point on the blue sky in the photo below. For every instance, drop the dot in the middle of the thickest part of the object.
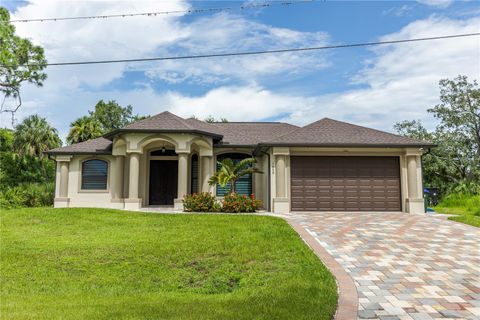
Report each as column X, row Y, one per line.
column 369, row 86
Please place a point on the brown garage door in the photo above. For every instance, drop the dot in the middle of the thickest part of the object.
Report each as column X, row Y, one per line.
column 345, row 183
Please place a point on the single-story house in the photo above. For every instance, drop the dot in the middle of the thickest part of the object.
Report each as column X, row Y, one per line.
column 327, row 165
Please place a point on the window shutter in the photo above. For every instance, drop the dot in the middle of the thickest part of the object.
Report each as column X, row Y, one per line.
column 94, row 175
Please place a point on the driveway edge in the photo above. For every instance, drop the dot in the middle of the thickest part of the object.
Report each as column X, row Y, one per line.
column 347, row 307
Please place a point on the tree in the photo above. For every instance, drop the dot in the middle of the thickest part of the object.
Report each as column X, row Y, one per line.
column 229, row 172
column 20, row 60
column 459, row 115
column 83, row 129
column 456, row 160
column 112, row 116
column 211, row 119
column 34, row 135
column 106, row 116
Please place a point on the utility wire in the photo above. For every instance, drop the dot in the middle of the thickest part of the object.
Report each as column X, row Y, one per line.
column 152, row 14
column 245, row 53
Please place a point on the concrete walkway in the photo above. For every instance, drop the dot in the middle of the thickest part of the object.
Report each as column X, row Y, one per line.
column 405, row 267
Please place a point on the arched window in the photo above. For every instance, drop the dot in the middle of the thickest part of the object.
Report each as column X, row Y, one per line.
column 94, row 174
column 244, row 184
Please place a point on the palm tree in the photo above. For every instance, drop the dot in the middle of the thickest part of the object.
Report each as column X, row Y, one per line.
column 34, row 135
column 230, row 172
column 83, row 129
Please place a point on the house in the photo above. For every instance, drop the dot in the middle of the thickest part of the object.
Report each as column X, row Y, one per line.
column 327, row 165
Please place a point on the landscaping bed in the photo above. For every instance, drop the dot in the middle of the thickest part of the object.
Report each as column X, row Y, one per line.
column 94, row 263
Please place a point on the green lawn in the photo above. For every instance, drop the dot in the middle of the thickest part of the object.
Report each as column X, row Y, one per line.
column 97, row 264
column 467, row 207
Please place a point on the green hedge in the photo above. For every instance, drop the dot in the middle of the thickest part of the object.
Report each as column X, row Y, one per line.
column 233, row 202
column 27, row 195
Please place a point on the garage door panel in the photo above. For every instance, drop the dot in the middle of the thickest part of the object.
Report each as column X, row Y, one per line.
column 345, row 183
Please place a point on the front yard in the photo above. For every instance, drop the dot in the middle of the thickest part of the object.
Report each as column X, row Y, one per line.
column 93, row 263
column 466, row 207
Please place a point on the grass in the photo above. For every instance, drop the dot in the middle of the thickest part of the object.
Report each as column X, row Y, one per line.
column 97, row 264
column 467, row 207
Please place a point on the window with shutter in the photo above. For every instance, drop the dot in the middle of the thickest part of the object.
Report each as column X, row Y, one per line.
column 94, row 174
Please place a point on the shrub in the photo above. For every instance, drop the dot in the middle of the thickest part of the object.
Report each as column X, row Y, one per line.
column 200, row 202
column 27, row 195
column 234, row 202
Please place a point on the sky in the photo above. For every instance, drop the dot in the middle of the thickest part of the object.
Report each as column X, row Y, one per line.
column 371, row 86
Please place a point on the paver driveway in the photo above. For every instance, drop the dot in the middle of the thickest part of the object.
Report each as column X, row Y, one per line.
column 404, row 266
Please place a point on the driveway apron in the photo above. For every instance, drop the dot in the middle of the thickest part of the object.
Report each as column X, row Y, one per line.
column 404, row 266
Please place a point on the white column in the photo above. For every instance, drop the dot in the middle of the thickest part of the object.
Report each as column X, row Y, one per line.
column 412, row 176
column 281, row 199
column 415, row 201
column 119, row 172
column 182, row 174
column 63, row 179
column 133, row 202
column 206, row 162
column 280, row 176
column 61, row 193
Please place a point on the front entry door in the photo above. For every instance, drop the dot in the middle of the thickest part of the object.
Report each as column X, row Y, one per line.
column 163, row 182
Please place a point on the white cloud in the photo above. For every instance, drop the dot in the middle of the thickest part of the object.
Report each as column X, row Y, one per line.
column 222, row 33
column 436, row 3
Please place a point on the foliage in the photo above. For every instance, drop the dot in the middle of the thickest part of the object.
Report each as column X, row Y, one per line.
column 211, row 119
column 16, row 169
column 83, row 129
column 230, row 171
column 118, row 264
column 200, row 202
column 27, row 195
column 465, row 205
column 21, row 61
column 34, row 135
column 106, row 116
column 234, row 202
column 456, row 160
column 112, row 116
column 21, row 153
column 6, row 139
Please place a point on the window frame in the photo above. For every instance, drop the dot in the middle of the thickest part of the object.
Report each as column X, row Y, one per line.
column 80, row 180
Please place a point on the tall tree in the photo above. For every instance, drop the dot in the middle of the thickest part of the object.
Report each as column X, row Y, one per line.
column 34, row 135
column 112, row 116
column 83, row 129
column 20, row 60
column 456, row 160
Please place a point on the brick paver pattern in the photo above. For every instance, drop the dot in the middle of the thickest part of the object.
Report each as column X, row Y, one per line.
column 405, row 267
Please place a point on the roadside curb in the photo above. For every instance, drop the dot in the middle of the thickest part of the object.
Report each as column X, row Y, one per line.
column 347, row 307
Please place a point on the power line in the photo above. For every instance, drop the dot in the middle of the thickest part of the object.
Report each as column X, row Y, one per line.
column 153, row 14
column 230, row 54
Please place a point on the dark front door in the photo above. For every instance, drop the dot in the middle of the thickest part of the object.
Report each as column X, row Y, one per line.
column 163, row 182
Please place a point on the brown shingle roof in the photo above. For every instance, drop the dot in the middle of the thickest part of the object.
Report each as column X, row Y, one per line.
column 94, row 146
column 166, row 122
column 252, row 133
column 325, row 132
column 328, row 132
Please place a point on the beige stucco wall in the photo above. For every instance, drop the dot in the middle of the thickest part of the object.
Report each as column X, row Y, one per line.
column 89, row 198
column 274, row 191
column 280, row 201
